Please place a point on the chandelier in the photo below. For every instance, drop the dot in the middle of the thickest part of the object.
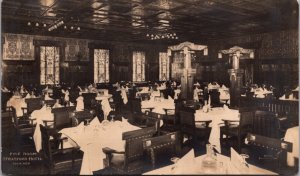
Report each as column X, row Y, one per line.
column 159, row 36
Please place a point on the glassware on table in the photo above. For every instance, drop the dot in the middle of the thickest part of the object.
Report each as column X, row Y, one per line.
column 209, row 162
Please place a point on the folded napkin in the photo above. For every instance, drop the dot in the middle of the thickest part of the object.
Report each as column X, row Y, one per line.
column 56, row 105
column 95, row 122
column 170, row 98
column 124, row 120
column 80, row 104
column 124, row 96
column 225, row 107
column 28, row 96
column 296, row 89
column 282, row 98
column 80, row 127
column 67, row 95
column 185, row 163
column 238, row 162
column 47, row 97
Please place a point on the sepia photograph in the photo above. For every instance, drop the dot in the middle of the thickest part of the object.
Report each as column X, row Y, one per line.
column 149, row 87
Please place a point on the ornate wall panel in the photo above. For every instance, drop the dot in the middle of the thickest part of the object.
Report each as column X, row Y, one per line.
column 18, row 47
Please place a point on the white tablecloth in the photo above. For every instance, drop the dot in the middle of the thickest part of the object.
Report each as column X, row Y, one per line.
column 91, row 139
column 102, row 97
column 216, row 115
column 189, row 165
column 42, row 114
column 292, row 135
column 159, row 105
column 18, row 103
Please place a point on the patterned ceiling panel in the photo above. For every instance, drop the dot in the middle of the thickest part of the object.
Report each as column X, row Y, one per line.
column 131, row 20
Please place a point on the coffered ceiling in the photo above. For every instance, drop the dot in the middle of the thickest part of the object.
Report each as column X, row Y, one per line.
column 132, row 20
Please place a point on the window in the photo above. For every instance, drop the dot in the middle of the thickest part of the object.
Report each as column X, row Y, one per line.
column 49, row 65
column 164, row 64
column 138, row 66
column 101, row 66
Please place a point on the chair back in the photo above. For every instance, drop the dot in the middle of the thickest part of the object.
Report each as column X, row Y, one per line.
column 215, row 98
column 136, row 105
column 81, row 116
column 46, row 148
column 145, row 96
column 153, row 119
column 167, row 144
column 134, row 143
column 161, row 141
column 33, row 104
column 87, row 99
column 270, row 143
column 165, row 93
column 246, row 121
column 62, row 117
column 187, row 121
column 5, row 96
column 50, row 102
column 14, row 117
column 74, row 94
column 266, row 124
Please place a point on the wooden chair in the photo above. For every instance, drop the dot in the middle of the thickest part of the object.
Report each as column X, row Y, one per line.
column 50, row 102
column 264, row 148
column 239, row 128
column 164, row 147
column 189, row 128
column 87, row 99
column 62, row 118
column 131, row 160
column 32, row 104
column 81, row 116
column 215, row 98
column 171, row 119
column 23, row 127
column 56, row 158
column 152, row 120
column 137, row 114
column 266, row 124
column 5, row 96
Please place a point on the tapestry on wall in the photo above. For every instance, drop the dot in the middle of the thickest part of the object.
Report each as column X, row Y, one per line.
column 77, row 50
column 18, row 47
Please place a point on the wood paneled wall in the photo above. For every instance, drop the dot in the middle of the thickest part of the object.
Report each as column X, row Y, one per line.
column 276, row 59
column 76, row 63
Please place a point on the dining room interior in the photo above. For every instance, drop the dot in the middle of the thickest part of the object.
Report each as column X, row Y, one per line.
column 150, row 87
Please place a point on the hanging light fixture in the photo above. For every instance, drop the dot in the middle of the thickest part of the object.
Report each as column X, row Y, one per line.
column 160, row 36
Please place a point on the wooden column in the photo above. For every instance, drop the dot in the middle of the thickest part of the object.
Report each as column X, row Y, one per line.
column 236, row 78
column 187, row 77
